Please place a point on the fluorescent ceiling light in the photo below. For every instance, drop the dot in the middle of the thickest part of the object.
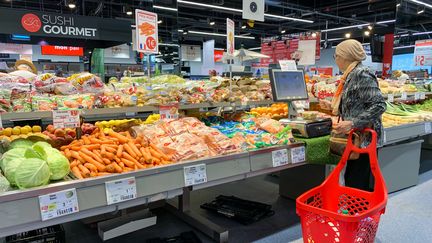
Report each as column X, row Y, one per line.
column 217, row 34
column 168, row 44
column 255, row 48
column 240, row 11
column 422, row 33
column 398, row 5
column 159, row 22
column 421, row 3
column 220, row 49
column 334, row 39
column 404, row 47
column 420, row 11
column 358, row 25
column 180, row 30
column 165, row 8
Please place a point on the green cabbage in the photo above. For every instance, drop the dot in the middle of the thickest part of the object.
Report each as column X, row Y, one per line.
column 30, row 153
column 41, row 148
column 58, row 164
column 4, row 184
column 20, row 143
column 31, row 173
column 10, row 155
column 11, row 167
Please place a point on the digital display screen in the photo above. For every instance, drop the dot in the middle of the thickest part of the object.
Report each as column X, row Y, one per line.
column 288, row 85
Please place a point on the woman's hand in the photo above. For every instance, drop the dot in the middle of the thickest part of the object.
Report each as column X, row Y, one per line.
column 325, row 104
column 343, row 127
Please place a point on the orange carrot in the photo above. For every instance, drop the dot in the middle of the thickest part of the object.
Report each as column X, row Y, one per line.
column 117, row 159
column 127, row 169
column 77, row 173
column 97, row 153
column 89, row 159
column 121, row 138
column 129, row 150
column 91, row 146
column 93, row 173
column 67, row 153
column 109, row 155
column 86, row 140
column 155, row 153
column 146, row 155
column 134, row 149
column 91, row 167
column 91, row 154
column 110, row 168
column 121, row 164
column 110, row 149
column 129, row 157
column 120, row 151
column 74, row 163
column 75, row 148
column 128, row 135
column 106, row 161
column 103, row 173
column 117, row 167
column 98, row 141
column 103, row 151
column 140, row 166
column 163, row 156
column 76, row 155
column 128, row 163
column 84, row 171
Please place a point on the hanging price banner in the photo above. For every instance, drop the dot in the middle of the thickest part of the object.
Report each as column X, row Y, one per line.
column 58, row 204
column 66, row 119
column 195, row 174
column 146, row 31
column 120, row 190
column 298, row 154
column 280, row 157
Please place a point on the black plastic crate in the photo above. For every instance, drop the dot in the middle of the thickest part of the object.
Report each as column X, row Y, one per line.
column 185, row 237
column 243, row 211
column 51, row 234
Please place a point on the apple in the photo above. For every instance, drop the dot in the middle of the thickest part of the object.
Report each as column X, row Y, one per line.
column 50, row 128
column 59, row 133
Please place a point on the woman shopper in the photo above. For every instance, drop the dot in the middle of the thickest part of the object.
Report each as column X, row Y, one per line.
column 359, row 104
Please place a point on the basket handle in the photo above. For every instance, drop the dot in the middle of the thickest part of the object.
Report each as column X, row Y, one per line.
column 371, row 150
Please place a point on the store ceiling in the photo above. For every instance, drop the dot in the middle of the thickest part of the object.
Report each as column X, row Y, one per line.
column 327, row 14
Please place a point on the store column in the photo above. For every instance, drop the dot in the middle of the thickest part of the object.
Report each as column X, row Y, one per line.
column 388, row 54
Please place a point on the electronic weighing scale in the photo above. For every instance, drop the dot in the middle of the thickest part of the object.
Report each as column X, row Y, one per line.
column 290, row 86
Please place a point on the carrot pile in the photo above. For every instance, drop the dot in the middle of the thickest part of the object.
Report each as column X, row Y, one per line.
column 115, row 152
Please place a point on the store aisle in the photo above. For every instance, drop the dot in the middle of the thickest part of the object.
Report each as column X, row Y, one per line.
column 408, row 216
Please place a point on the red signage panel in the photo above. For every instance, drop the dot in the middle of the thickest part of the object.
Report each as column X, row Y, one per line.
column 62, row 50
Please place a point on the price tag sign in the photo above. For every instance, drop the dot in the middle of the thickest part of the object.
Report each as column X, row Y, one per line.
column 404, row 96
column 428, row 128
column 169, row 111
column 195, row 174
column 280, row 157
column 390, row 98
column 298, row 154
column 416, row 96
column 422, row 95
column 120, row 190
column 58, row 204
column 385, row 137
column 66, row 119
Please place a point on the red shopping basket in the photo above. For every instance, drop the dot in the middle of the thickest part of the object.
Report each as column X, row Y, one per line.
column 335, row 213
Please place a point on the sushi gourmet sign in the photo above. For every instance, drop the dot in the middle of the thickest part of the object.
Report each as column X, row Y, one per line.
column 35, row 23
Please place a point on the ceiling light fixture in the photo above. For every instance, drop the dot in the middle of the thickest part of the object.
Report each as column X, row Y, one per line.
column 243, row 27
column 129, row 12
column 71, row 4
column 358, row 26
column 370, row 27
column 165, row 8
column 367, row 33
column 180, row 30
column 212, row 23
column 240, row 11
column 283, row 31
column 420, row 11
column 255, row 48
column 403, row 47
column 314, row 34
column 398, row 5
column 217, row 34
column 159, row 21
column 348, row 35
column 421, row 3
column 185, row 32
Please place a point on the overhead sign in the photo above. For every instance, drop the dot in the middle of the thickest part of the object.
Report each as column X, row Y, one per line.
column 62, row 50
column 34, row 23
column 21, row 49
column 218, row 55
column 253, row 9
column 423, row 53
column 146, row 31
column 230, row 37
column 120, row 51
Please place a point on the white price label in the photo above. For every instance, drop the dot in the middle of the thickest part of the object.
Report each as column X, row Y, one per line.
column 390, row 98
column 416, row 96
column 280, row 157
column 58, row 204
column 422, row 95
column 428, row 128
column 298, row 154
column 384, row 137
column 404, row 96
column 66, row 119
column 195, row 174
column 1, row 123
column 120, row 190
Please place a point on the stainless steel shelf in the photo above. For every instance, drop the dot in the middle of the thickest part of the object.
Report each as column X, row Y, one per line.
column 20, row 209
column 123, row 110
column 405, row 132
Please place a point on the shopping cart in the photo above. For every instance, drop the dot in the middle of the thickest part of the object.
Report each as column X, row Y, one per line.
column 335, row 213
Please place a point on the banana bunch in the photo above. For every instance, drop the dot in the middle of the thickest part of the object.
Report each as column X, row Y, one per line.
column 117, row 125
column 152, row 119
